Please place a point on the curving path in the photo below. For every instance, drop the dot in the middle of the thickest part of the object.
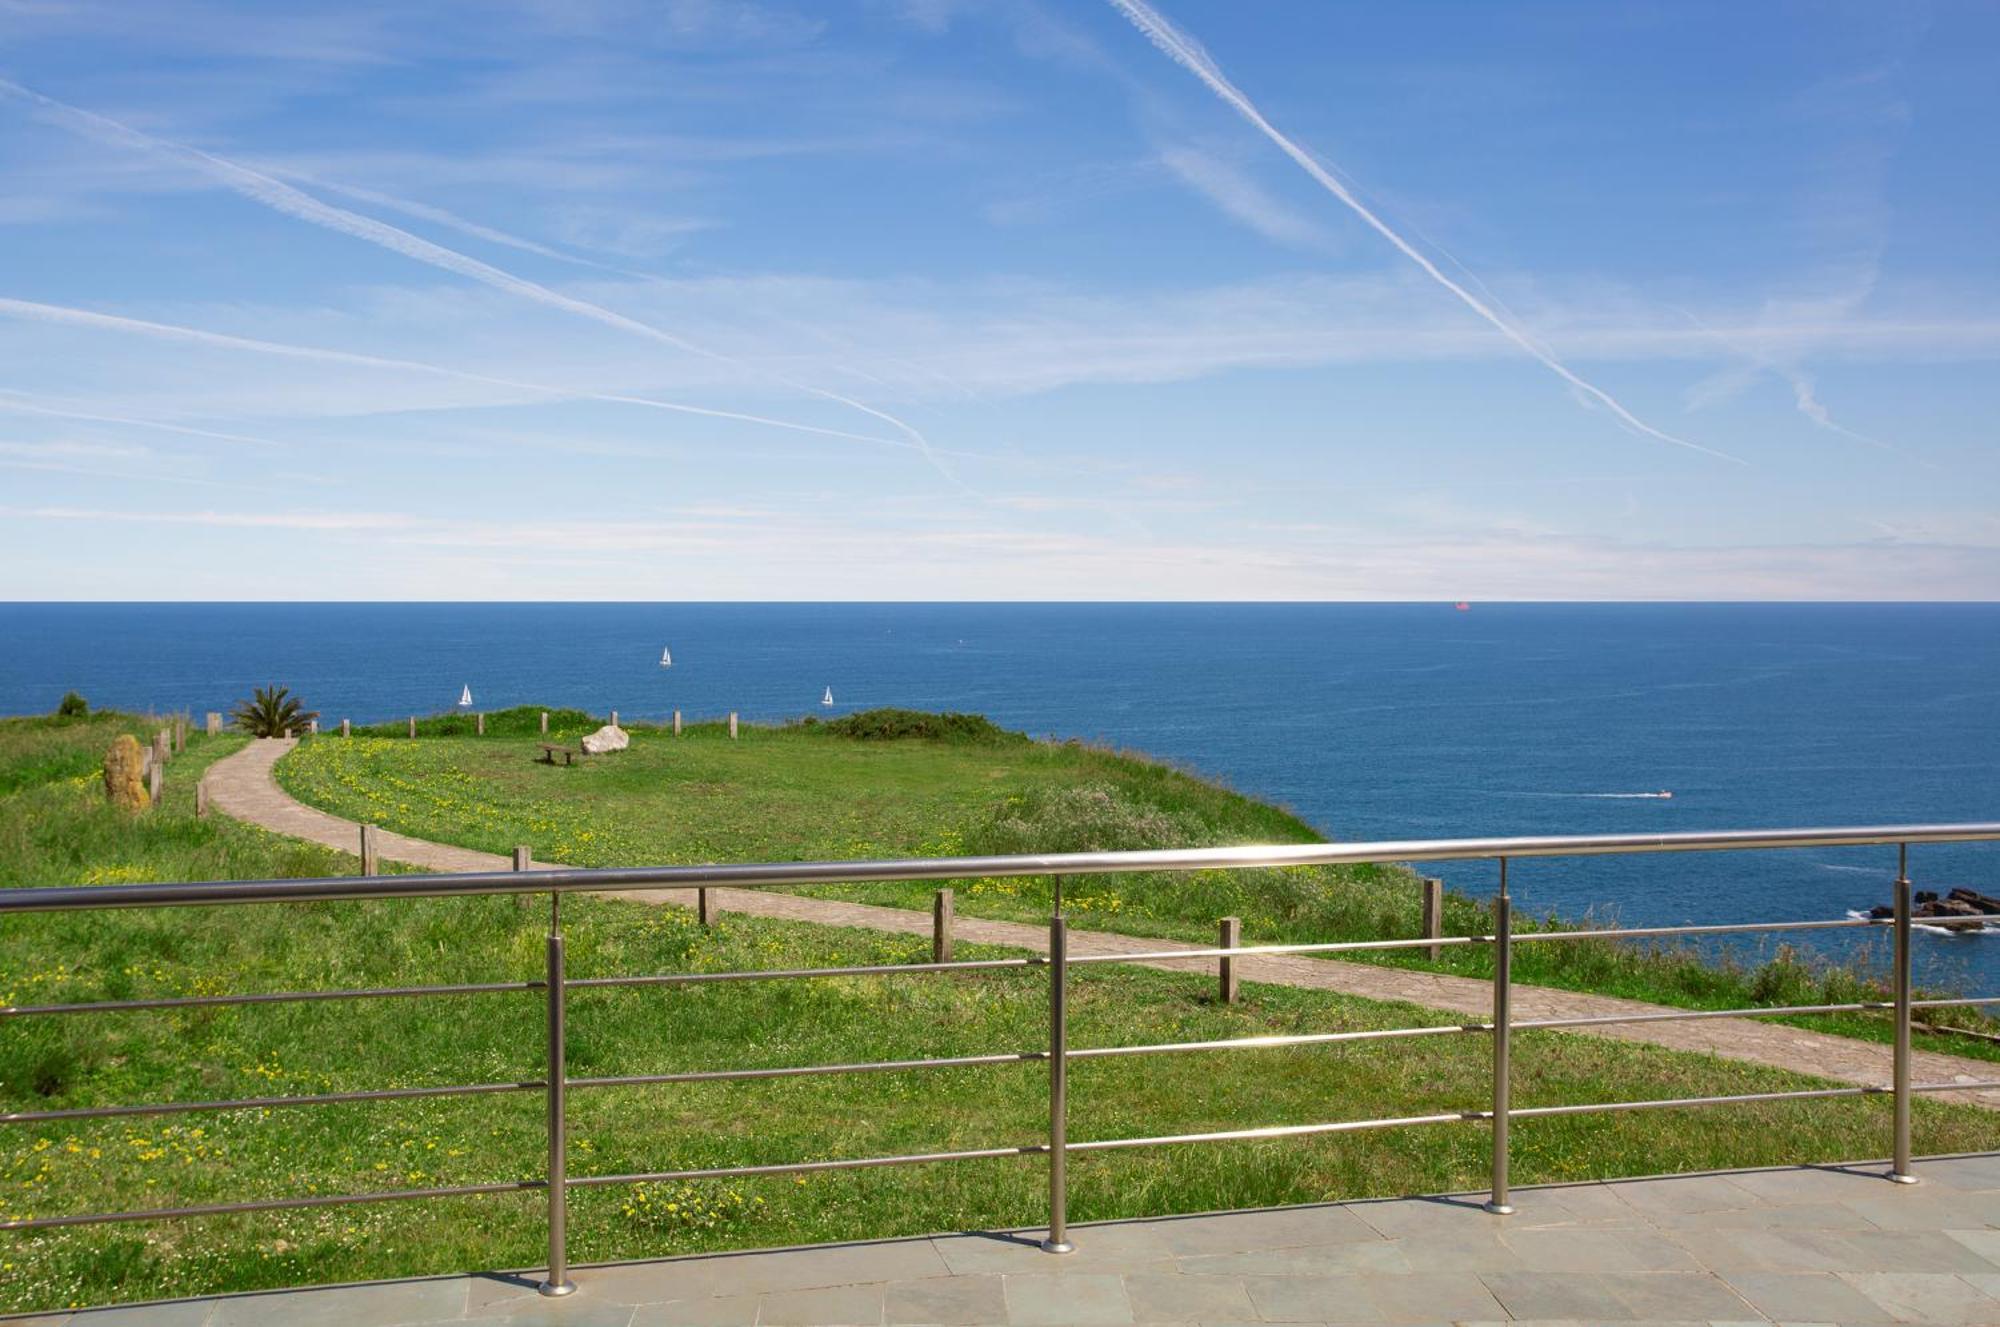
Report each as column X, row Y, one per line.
column 242, row 786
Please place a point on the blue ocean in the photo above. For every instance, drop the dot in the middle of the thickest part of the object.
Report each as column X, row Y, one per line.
column 1371, row 721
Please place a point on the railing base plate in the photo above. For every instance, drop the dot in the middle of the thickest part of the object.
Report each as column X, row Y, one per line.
column 1499, row 1209
column 551, row 1290
column 1058, row 1246
column 1902, row 1179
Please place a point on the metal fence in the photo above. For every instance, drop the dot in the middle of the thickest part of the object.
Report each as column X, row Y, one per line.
column 556, row 1182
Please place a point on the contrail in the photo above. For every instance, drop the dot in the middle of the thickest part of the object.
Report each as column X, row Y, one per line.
column 1188, row 53
column 11, row 399
column 58, row 313
column 284, row 198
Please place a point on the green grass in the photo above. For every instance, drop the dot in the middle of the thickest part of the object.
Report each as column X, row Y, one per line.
column 61, row 835
column 808, row 792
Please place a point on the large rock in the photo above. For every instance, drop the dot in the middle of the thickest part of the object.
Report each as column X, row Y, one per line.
column 608, row 738
column 125, row 774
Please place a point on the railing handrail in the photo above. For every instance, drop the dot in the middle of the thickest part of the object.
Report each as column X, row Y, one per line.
column 777, row 875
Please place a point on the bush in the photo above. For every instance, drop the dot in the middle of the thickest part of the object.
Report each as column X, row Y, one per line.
column 272, row 712
column 892, row 725
column 73, row 706
column 518, row 721
column 1082, row 818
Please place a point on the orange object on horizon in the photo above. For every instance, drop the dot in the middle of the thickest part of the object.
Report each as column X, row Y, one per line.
column 1462, row 606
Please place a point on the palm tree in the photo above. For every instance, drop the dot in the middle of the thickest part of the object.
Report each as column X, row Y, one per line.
column 271, row 712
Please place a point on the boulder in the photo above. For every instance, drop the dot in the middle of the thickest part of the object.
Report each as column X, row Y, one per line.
column 125, row 774
column 608, row 738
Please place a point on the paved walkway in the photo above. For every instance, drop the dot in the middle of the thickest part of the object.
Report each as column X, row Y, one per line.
column 242, row 786
column 1806, row 1245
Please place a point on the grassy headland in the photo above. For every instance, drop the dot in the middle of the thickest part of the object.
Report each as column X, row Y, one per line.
column 892, row 784
column 60, row 834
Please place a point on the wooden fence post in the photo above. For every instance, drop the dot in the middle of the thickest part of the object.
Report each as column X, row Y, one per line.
column 214, row 723
column 942, row 917
column 153, row 777
column 545, row 723
column 479, row 724
column 346, row 728
column 1231, row 936
column 201, row 800
column 732, row 725
column 1433, row 918
column 369, row 862
column 413, row 727
column 161, row 747
column 313, row 727
column 677, row 723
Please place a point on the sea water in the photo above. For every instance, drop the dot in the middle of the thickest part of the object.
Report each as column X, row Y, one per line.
column 1371, row 721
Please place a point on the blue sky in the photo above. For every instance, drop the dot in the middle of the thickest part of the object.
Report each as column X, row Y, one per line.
column 935, row 299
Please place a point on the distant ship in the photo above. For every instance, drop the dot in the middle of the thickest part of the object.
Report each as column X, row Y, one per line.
column 1462, row 606
column 827, row 699
column 465, row 698
column 666, row 657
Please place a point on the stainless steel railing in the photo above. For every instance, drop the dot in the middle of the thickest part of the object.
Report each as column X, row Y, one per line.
column 556, row 1085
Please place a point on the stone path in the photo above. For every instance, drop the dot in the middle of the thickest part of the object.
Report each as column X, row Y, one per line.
column 1803, row 1245
column 242, row 786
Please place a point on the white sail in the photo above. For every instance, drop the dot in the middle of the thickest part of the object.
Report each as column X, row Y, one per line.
column 465, row 697
column 666, row 658
column 827, row 699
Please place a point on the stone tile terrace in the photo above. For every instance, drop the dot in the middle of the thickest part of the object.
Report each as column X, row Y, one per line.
column 1804, row 1245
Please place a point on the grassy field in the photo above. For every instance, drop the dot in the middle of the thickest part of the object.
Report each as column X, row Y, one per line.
column 46, row 1063
column 807, row 792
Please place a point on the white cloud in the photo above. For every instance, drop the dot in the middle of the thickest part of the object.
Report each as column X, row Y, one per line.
column 1232, row 189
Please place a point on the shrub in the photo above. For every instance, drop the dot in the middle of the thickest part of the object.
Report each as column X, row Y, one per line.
column 73, row 706
column 272, row 712
column 1091, row 817
column 891, row 725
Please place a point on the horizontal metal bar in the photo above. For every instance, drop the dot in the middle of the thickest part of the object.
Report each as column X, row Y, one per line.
column 776, row 974
column 798, row 874
column 806, row 1071
column 1980, row 1086
column 271, row 1205
column 273, row 997
column 1531, row 1112
column 262, row 1103
column 1682, row 1015
column 801, row 1167
column 1741, row 1098
column 1252, row 951
column 1261, row 1043
column 1278, row 1131
column 1631, row 932
column 1955, row 1003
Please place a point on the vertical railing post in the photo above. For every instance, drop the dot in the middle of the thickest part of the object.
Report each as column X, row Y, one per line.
column 1503, row 958
column 1058, row 1240
column 1229, row 936
column 1899, row 1168
column 558, row 1128
column 702, row 914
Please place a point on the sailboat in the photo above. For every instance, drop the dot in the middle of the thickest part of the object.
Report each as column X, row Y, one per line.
column 666, row 657
column 465, row 699
column 827, row 699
